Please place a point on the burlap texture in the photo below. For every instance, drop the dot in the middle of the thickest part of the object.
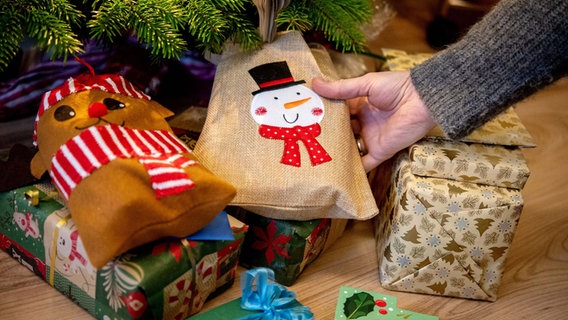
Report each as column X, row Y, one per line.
column 231, row 147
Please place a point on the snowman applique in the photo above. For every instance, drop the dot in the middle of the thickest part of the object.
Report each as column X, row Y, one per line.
column 287, row 110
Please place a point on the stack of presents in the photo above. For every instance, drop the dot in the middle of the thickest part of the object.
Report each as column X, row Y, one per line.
column 445, row 211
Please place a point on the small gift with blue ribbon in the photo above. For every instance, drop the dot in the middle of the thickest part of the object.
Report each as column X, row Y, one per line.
column 262, row 299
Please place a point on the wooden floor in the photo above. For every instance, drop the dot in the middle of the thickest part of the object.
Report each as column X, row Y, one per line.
column 534, row 285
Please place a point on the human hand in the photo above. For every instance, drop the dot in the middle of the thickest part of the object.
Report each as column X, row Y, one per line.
column 391, row 116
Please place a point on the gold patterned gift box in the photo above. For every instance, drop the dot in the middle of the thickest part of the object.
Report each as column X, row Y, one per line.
column 490, row 155
column 449, row 209
column 440, row 236
column 477, row 163
column 397, row 60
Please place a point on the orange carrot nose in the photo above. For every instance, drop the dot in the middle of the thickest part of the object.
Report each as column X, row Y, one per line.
column 293, row 104
column 97, row 110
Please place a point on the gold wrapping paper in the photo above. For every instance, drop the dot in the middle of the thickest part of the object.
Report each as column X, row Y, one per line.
column 398, row 60
column 477, row 163
column 442, row 237
column 506, row 129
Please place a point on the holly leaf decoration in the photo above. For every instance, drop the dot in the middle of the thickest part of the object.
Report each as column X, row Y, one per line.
column 358, row 305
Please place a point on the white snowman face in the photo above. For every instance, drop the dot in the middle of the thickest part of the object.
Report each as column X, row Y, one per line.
column 288, row 107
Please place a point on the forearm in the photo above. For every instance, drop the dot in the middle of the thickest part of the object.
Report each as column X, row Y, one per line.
column 516, row 49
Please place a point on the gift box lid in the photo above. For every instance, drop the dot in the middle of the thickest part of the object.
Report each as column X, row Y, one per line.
column 469, row 162
column 505, row 129
column 398, row 60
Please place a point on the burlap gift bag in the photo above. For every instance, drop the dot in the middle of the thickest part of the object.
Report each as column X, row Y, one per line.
column 290, row 154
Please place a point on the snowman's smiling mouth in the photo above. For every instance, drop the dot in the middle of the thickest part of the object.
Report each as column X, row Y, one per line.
column 290, row 122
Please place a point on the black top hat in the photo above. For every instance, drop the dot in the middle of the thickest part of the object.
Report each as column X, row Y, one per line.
column 272, row 76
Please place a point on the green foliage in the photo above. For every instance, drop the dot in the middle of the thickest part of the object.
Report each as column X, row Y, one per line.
column 358, row 305
column 166, row 28
column 155, row 23
column 340, row 21
column 49, row 24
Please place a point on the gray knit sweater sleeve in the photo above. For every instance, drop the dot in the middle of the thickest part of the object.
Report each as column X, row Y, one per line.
column 517, row 48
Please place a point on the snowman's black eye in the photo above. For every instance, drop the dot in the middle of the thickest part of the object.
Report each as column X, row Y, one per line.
column 63, row 113
column 298, row 93
column 275, row 98
column 113, row 104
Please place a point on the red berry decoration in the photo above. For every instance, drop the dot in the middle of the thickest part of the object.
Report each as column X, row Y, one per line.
column 381, row 303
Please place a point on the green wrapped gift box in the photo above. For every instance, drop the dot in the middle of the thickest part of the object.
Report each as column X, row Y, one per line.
column 169, row 279
column 285, row 246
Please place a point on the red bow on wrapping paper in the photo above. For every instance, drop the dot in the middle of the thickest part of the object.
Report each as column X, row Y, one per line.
column 291, row 154
column 158, row 150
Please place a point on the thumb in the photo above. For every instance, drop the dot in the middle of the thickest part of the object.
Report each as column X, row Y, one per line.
column 340, row 89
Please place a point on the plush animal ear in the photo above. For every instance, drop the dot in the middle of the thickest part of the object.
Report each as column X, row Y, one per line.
column 37, row 166
column 161, row 110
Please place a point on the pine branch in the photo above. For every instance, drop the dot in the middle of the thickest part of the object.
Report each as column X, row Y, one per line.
column 207, row 24
column 52, row 34
column 165, row 27
column 47, row 22
column 295, row 17
column 245, row 33
column 213, row 22
column 157, row 23
column 154, row 23
column 109, row 20
column 11, row 24
column 340, row 21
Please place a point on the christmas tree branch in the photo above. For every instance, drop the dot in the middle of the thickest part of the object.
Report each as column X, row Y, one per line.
column 168, row 27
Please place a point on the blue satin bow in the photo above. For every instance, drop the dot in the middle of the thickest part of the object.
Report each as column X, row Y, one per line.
column 261, row 293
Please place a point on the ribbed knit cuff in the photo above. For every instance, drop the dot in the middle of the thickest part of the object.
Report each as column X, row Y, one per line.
column 516, row 49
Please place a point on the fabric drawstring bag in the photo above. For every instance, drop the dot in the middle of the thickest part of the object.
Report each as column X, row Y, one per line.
column 290, row 153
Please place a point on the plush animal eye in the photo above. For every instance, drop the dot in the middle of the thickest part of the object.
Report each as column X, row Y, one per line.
column 113, row 104
column 63, row 113
column 297, row 93
column 275, row 98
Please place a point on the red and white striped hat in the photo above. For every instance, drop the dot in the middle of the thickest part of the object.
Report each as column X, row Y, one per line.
column 111, row 83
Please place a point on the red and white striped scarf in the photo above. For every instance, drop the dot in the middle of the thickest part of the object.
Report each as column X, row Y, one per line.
column 158, row 150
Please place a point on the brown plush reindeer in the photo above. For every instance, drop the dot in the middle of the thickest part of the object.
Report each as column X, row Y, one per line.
column 126, row 178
